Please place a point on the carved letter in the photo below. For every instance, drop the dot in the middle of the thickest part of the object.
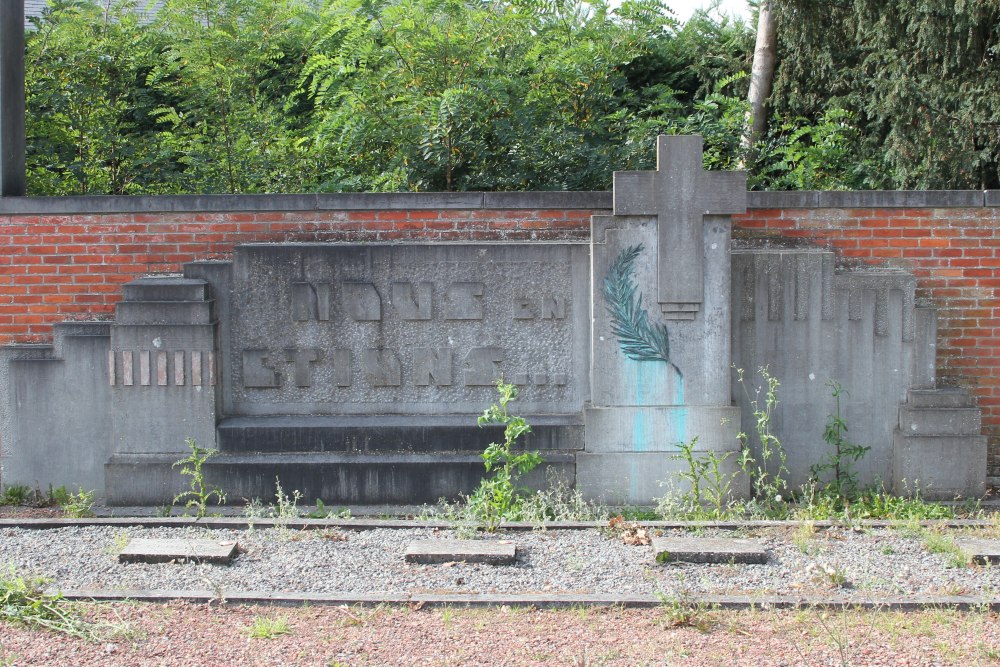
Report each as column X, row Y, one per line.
column 302, row 360
column 343, row 367
column 382, row 368
column 522, row 308
column 362, row 302
column 553, row 307
column 410, row 303
column 256, row 371
column 310, row 302
column 432, row 366
column 465, row 301
column 481, row 365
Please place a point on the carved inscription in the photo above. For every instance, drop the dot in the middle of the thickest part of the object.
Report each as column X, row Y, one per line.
column 328, row 329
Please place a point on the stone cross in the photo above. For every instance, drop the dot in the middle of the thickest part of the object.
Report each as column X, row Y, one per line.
column 680, row 193
column 12, row 177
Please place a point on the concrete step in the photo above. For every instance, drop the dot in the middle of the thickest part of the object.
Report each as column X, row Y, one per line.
column 940, row 421
column 340, row 479
column 939, row 467
column 165, row 289
column 388, row 433
column 163, row 312
column 939, row 398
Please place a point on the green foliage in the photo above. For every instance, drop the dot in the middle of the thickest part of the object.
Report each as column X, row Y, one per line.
column 77, row 505
column 707, row 495
column 840, row 462
column 24, row 601
column 763, row 458
column 266, row 627
column 915, row 74
column 498, row 498
column 559, row 502
column 15, row 494
column 198, row 495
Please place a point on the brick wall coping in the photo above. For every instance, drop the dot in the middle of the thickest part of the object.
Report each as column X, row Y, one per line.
column 471, row 200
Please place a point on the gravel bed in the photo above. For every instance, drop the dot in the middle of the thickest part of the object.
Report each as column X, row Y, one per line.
column 836, row 563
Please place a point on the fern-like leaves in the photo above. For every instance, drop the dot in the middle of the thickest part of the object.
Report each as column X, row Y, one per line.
column 639, row 338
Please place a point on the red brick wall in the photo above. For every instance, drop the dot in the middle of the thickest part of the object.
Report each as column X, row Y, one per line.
column 955, row 255
column 72, row 266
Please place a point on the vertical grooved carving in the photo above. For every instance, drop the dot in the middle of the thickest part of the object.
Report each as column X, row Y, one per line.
column 802, row 272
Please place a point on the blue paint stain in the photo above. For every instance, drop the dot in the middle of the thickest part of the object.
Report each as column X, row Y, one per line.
column 651, row 384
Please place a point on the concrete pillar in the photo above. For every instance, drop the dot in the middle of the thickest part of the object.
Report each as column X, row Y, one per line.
column 12, row 181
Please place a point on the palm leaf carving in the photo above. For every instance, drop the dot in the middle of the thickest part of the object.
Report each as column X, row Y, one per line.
column 639, row 338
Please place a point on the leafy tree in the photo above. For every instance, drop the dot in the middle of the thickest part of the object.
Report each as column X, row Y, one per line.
column 917, row 76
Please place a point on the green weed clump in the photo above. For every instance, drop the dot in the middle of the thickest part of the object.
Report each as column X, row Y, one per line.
column 199, row 494
column 23, row 600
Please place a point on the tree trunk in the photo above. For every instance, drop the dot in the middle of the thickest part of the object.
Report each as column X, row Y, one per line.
column 762, row 74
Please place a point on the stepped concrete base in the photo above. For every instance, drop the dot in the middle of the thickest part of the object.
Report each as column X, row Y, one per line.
column 939, row 467
column 629, row 478
column 336, row 479
column 389, row 433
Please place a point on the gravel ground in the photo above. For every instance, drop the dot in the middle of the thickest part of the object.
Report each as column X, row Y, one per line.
column 835, row 563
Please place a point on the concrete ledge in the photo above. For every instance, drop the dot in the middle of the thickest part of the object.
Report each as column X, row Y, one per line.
column 240, row 523
column 360, row 201
column 547, row 601
column 469, row 200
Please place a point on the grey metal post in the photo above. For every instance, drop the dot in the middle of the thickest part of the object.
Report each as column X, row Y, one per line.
column 12, row 176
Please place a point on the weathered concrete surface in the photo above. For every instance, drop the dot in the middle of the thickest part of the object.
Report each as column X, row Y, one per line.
column 489, row 552
column 407, row 329
column 55, row 410
column 808, row 324
column 145, row 550
column 708, row 550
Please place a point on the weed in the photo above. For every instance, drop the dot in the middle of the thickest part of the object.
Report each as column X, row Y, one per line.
column 265, row 627
column 559, row 502
column 15, row 494
column 764, row 461
column 23, row 601
column 826, row 574
column 840, row 461
column 78, row 505
column 119, row 543
column 498, row 498
column 707, row 495
column 680, row 610
column 938, row 543
column 803, row 537
column 198, row 495
column 847, row 641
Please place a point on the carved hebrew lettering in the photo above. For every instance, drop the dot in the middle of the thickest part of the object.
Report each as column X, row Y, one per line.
column 382, row 368
column 362, row 302
column 413, row 302
column 465, row 301
column 553, row 308
column 432, row 366
column 481, row 365
column 303, row 360
column 257, row 372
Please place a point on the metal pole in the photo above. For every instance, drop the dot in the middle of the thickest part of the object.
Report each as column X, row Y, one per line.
column 12, row 175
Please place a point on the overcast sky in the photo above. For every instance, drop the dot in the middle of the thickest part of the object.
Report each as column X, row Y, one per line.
column 684, row 8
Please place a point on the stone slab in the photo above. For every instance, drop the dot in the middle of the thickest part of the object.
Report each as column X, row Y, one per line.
column 406, row 329
column 429, row 552
column 980, row 551
column 144, row 550
column 708, row 550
